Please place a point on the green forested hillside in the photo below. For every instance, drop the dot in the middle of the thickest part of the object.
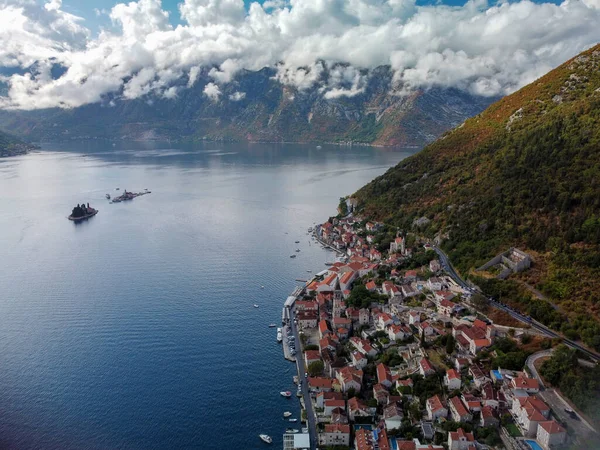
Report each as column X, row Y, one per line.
column 10, row 145
column 525, row 172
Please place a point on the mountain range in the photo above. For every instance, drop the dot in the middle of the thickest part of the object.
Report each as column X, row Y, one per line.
column 256, row 106
column 525, row 173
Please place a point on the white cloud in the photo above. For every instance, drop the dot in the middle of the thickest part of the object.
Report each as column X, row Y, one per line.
column 489, row 50
column 212, row 91
column 237, row 96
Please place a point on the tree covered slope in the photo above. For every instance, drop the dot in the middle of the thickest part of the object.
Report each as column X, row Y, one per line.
column 11, row 146
column 525, row 173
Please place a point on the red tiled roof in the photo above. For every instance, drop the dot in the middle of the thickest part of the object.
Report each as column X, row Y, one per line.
column 460, row 433
column 552, row 427
column 435, row 403
column 452, row 374
column 337, row 428
column 320, row 382
column 458, row 406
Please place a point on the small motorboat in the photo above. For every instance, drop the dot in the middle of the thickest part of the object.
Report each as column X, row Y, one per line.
column 319, row 147
column 297, row 250
column 293, row 420
column 292, row 430
column 117, row 189
column 265, row 438
column 286, row 394
column 262, row 287
column 255, row 305
column 309, row 271
column 297, row 242
column 292, row 256
column 287, row 414
column 272, row 325
column 108, row 196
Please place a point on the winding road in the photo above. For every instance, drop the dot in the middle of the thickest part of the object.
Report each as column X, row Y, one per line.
column 445, row 263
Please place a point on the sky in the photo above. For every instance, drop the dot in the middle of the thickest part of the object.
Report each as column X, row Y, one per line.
column 67, row 53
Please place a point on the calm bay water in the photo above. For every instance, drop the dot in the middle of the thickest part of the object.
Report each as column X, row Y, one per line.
column 136, row 329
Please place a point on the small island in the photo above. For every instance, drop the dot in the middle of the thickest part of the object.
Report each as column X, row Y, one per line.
column 82, row 212
column 129, row 196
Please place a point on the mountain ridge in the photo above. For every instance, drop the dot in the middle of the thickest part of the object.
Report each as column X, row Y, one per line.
column 257, row 107
column 525, row 173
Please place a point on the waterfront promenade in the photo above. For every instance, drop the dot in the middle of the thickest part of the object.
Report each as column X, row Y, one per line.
column 310, row 414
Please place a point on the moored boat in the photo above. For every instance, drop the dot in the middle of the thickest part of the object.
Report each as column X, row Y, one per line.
column 293, row 420
column 292, row 256
column 255, row 305
column 265, row 438
column 272, row 325
column 286, row 394
column 292, row 430
column 279, row 335
column 287, row 414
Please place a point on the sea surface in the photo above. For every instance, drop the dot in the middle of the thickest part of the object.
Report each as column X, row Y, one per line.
column 136, row 329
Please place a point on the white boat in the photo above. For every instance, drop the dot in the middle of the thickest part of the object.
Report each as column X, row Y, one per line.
column 255, row 305
column 265, row 438
column 286, row 394
column 272, row 325
column 262, row 287
column 287, row 414
column 319, row 147
column 279, row 335
column 292, row 430
column 293, row 420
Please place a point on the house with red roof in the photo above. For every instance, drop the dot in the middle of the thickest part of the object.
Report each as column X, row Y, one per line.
column 341, row 322
column 347, row 279
column 335, row 435
column 452, row 380
column 349, row 378
column 330, row 404
column 488, row 418
column 320, row 384
column 311, row 356
column 358, row 359
column 398, row 332
column 529, row 385
column 327, row 395
column 382, row 320
column 363, row 346
column 550, row 434
column 460, row 440
column 327, row 342
column 458, row 410
column 446, row 307
column 397, row 245
column 443, row 295
column 410, row 276
column 473, row 403
column 371, row 286
column 380, row 393
column 306, row 305
column 357, row 408
column 425, row 327
column 324, row 329
column 414, row 317
column 330, row 283
column 529, row 412
column 425, row 367
column 393, row 415
column 435, row 408
column 307, row 319
column 384, row 376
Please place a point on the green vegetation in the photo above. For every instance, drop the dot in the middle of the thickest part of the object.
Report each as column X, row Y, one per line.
column 513, row 430
column 315, row 368
column 361, row 297
column 524, row 173
column 579, row 384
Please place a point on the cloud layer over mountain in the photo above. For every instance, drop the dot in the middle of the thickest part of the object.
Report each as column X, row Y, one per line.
column 51, row 59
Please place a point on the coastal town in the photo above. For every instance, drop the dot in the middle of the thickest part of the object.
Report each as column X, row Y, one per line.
column 393, row 353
